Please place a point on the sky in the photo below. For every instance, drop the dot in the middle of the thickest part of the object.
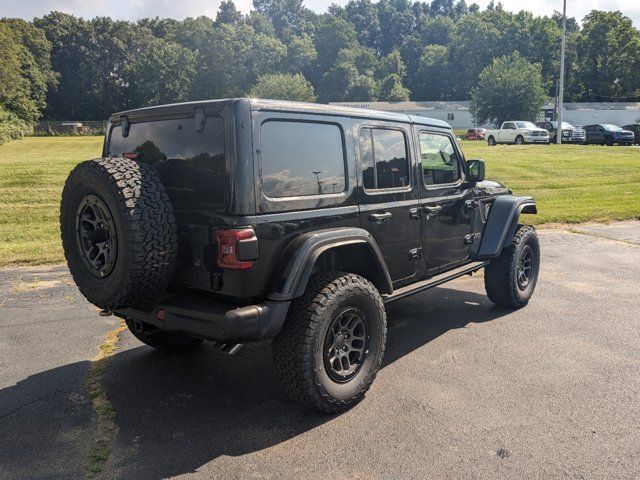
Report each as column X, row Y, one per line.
column 134, row 9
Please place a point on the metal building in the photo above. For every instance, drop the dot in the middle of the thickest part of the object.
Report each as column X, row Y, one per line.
column 456, row 113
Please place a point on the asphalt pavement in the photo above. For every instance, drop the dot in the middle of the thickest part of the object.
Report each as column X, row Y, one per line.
column 467, row 390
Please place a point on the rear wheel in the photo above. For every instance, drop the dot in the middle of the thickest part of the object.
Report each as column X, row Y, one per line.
column 491, row 141
column 511, row 278
column 332, row 343
column 160, row 339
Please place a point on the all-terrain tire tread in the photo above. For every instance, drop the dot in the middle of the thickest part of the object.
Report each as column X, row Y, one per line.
column 150, row 229
column 498, row 282
column 293, row 347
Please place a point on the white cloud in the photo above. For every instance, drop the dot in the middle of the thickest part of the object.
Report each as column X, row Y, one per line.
column 134, row 9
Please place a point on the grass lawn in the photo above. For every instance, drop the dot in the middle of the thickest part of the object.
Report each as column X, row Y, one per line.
column 32, row 174
column 571, row 184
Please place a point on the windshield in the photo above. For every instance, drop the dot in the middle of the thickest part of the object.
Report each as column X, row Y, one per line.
column 613, row 128
column 525, row 125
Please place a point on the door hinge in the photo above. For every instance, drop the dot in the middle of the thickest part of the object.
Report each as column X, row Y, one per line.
column 415, row 253
column 471, row 238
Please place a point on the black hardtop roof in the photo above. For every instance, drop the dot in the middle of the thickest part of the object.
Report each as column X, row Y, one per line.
column 279, row 106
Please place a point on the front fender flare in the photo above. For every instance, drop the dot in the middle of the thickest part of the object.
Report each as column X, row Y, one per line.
column 502, row 223
column 302, row 253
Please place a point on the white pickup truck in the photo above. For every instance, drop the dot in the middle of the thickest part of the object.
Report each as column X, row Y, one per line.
column 517, row 132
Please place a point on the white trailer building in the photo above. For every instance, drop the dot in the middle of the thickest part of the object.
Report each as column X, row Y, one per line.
column 456, row 113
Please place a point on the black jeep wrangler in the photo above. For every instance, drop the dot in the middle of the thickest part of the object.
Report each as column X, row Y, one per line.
column 243, row 220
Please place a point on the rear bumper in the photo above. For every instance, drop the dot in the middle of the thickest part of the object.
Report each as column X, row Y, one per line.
column 213, row 320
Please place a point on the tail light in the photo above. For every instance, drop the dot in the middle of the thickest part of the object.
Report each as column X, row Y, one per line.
column 237, row 248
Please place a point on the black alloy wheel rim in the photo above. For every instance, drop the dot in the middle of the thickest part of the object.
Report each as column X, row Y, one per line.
column 346, row 345
column 96, row 235
column 525, row 268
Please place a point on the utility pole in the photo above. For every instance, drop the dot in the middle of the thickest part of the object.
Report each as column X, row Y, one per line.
column 561, row 87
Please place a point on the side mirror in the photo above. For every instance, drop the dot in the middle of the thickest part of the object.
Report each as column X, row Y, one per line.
column 475, row 171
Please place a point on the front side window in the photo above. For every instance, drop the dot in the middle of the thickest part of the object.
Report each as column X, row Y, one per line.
column 440, row 163
column 301, row 159
column 385, row 162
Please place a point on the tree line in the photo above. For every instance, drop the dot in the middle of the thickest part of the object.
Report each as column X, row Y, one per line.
column 62, row 67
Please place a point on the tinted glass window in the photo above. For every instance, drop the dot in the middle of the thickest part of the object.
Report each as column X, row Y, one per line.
column 439, row 159
column 191, row 164
column 385, row 163
column 301, row 159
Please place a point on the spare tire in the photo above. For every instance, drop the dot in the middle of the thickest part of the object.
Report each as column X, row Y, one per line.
column 118, row 233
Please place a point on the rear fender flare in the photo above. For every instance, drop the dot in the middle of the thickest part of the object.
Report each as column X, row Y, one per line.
column 302, row 253
column 502, row 223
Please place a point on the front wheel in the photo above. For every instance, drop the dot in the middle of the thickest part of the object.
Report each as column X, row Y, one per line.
column 332, row 342
column 511, row 278
column 519, row 140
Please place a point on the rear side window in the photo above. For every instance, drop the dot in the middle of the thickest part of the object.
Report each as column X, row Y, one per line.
column 385, row 163
column 440, row 163
column 191, row 164
column 301, row 159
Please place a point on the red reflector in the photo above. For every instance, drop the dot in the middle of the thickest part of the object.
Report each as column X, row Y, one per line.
column 228, row 247
column 160, row 315
column 130, row 155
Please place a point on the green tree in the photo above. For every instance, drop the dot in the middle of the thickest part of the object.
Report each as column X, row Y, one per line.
column 475, row 43
column 228, row 13
column 352, row 77
column 432, row 80
column 26, row 69
column 287, row 16
column 231, row 68
column 283, row 87
column 301, row 54
column 160, row 73
column 610, row 54
column 392, row 90
column 509, row 88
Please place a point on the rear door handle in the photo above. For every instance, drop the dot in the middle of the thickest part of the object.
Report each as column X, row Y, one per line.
column 380, row 217
column 432, row 210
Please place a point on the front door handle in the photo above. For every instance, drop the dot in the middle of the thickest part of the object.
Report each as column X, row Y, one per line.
column 432, row 210
column 380, row 217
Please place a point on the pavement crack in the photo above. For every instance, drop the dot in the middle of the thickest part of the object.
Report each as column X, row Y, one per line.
column 30, row 402
column 93, row 384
